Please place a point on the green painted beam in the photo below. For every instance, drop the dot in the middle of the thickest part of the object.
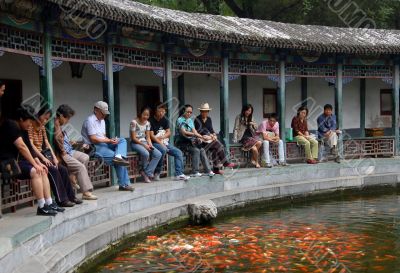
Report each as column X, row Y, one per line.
column 47, row 86
column 224, row 101
column 168, row 98
column 282, row 101
column 244, row 90
column 109, row 78
column 181, row 90
column 339, row 96
column 304, row 91
column 117, row 105
column 363, row 91
column 395, row 112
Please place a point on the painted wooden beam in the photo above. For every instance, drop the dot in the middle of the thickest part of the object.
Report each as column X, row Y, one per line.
column 181, row 90
column 117, row 105
column 224, row 101
column 339, row 95
column 363, row 90
column 395, row 108
column 47, row 92
column 304, row 91
column 244, row 90
column 282, row 101
column 108, row 91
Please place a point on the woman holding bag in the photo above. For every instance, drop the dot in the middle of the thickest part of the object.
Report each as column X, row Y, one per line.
column 245, row 132
column 58, row 174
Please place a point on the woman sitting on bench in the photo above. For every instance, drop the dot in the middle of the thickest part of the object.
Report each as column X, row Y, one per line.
column 245, row 132
column 303, row 137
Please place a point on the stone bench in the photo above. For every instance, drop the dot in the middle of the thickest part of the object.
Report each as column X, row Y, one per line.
column 134, row 166
column 19, row 192
column 15, row 193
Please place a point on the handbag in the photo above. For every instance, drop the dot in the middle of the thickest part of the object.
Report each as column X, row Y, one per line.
column 89, row 149
column 9, row 168
column 46, row 152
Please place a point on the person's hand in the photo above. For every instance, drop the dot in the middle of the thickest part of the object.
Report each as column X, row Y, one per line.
column 113, row 141
column 56, row 162
column 338, row 131
column 45, row 168
column 147, row 146
column 39, row 169
column 206, row 138
column 253, row 124
column 47, row 162
column 327, row 134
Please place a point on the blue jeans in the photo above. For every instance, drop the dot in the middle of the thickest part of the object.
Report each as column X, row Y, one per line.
column 107, row 153
column 172, row 151
column 148, row 166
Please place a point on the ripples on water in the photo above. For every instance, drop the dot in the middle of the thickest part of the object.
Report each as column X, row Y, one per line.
column 358, row 236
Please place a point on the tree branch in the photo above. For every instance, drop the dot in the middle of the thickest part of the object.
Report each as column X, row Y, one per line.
column 285, row 9
column 235, row 8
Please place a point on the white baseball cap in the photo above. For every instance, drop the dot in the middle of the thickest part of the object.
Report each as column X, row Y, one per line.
column 102, row 106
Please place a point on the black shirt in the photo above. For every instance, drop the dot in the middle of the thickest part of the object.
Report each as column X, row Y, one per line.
column 9, row 133
column 204, row 128
column 156, row 126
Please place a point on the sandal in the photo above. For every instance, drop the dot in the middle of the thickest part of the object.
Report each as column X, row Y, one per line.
column 89, row 197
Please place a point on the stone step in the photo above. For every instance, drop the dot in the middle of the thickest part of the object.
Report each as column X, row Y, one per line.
column 22, row 233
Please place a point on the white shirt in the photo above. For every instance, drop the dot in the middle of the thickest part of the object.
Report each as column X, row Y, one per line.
column 93, row 127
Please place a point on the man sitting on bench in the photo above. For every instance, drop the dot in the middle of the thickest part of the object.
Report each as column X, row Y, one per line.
column 327, row 130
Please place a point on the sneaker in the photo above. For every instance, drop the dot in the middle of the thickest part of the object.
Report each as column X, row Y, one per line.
column 126, row 188
column 218, row 171
column 230, row 165
column 46, row 211
column 156, row 177
column 283, row 164
column 54, row 206
column 182, row 177
column 211, row 174
column 145, row 177
column 338, row 160
column 268, row 165
column 120, row 162
column 196, row 174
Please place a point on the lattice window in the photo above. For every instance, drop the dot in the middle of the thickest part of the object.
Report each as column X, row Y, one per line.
column 20, row 41
column 189, row 64
column 365, row 71
column 310, row 70
column 137, row 58
column 72, row 51
column 243, row 67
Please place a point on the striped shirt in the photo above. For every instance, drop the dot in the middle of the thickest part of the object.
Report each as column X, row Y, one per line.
column 36, row 136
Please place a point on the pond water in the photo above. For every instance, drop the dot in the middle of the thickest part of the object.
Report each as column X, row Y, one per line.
column 358, row 235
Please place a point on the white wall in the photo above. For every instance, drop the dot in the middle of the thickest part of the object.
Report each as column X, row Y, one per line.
column 200, row 88
column 373, row 116
column 80, row 94
column 19, row 67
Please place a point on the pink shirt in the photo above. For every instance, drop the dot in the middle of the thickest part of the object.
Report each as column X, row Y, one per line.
column 266, row 127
